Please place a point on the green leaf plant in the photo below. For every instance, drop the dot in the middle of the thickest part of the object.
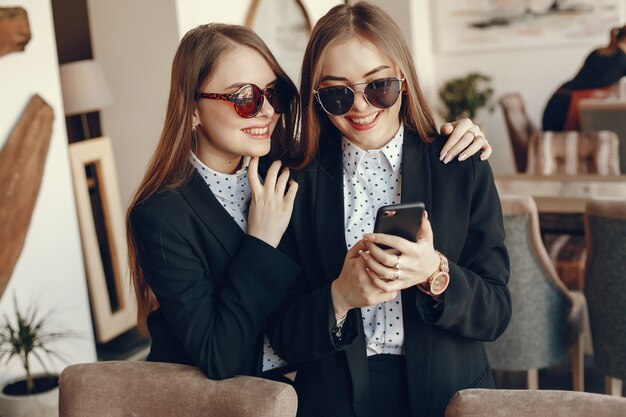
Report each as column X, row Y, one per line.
column 28, row 339
column 464, row 96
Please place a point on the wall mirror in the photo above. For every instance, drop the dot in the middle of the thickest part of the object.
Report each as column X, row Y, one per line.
column 285, row 27
column 113, row 304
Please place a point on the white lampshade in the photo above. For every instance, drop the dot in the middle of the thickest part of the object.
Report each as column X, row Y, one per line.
column 84, row 87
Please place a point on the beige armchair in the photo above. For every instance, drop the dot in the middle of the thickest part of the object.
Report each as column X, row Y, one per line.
column 518, row 403
column 116, row 389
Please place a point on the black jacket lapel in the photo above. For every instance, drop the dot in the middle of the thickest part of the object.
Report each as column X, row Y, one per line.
column 415, row 170
column 416, row 186
column 329, row 222
column 330, row 229
column 199, row 196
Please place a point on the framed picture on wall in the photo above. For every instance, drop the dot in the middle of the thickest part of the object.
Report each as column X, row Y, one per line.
column 479, row 25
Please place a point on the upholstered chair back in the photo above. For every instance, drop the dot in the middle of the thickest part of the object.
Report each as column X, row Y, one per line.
column 523, row 403
column 520, row 127
column 547, row 318
column 606, row 114
column 150, row 389
column 574, row 153
column 605, row 283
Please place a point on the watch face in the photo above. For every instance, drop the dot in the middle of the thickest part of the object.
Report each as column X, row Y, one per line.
column 439, row 283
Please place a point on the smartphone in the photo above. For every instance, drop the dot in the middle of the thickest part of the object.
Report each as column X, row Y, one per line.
column 403, row 220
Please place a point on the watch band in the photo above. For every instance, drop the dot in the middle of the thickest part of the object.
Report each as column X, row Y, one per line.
column 442, row 275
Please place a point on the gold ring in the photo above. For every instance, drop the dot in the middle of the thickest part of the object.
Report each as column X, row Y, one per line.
column 396, row 274
column 397, row 262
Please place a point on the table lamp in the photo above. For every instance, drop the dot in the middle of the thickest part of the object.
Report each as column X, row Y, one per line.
column 84, row 90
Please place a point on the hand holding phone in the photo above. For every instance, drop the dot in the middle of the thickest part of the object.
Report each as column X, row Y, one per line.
column 403, row 220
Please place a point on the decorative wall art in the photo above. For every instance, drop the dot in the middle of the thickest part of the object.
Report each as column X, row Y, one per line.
column 285, row 27
column 112, row 301
column 22, row 162
column 14, row 30
column 473, row 25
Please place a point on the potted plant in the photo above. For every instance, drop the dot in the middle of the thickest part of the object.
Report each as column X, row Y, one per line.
column 464, row 96
column 28, row 338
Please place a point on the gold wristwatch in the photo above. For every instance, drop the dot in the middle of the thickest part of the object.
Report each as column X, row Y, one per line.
column 437, row 283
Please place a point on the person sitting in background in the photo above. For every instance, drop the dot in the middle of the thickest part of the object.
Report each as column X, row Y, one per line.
column 601, row 70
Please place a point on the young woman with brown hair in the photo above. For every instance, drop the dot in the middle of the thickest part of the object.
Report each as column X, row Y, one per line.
column 601, row 70
column 203, row 228
column 385, row 332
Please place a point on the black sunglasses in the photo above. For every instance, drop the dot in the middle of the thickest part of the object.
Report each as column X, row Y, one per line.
column 338, row 99
column 248, row 100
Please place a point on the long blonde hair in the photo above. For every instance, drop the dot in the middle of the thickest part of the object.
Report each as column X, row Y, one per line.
column 374, row 25
column 195, row 60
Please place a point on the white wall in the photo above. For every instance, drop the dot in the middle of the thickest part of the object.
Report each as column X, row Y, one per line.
column 535, row 73
column 49, row 273
column 135, row 43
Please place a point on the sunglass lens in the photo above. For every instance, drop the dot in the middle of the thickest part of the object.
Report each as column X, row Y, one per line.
column 248, row 101
column 383, row 93
column 281, row 96
column 336, row 100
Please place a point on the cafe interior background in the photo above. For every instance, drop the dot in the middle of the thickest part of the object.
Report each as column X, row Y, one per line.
column 72, row 264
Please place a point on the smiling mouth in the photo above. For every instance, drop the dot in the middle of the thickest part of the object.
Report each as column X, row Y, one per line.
column 257, row 131
column 364, row 121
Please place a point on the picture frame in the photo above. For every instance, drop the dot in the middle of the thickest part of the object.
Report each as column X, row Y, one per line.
column 481, row 25
column 113, row 304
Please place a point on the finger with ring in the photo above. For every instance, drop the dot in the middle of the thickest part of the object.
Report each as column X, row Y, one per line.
column 396, row 274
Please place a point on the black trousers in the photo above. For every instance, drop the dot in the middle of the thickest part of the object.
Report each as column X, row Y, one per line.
column 388, row 383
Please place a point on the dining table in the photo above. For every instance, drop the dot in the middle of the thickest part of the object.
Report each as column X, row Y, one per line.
column 561, row 199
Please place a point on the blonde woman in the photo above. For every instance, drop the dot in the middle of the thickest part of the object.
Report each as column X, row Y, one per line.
column 390, row 332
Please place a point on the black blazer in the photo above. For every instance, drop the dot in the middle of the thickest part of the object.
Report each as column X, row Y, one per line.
column 216, row 285
column 444, row 349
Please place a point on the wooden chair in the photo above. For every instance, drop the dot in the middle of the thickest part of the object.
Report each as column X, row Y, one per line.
column 547, row 318
column 572, row 153
column 606, row 114
column 520, row 127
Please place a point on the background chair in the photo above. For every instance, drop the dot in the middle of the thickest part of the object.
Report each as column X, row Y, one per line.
column 120, row 389
column 520, row 127
column 574, row 153
column 605, row 287
column 572, row 122
column 517, row 403
column 547, row 318
column 606, row 114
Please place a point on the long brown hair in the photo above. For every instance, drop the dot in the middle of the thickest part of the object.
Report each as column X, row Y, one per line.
column 195, row 60
column 617, row 36
column 374, row 25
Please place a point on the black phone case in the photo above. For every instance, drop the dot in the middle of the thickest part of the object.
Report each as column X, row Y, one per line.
column 403, row 220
